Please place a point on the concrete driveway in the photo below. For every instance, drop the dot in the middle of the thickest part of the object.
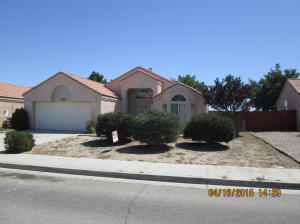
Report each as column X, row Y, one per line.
column 42, row 137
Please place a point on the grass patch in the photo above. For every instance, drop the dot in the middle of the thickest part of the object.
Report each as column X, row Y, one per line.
column 4, row 130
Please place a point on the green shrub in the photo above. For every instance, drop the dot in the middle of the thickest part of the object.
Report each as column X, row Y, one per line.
column 18, row 141
column 90, row 126
column 156, row 127
column 7, row 123
column 210, row 128
column 114, row 121
column 19, row 120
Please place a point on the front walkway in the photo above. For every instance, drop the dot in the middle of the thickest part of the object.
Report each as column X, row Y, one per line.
column 286, row 142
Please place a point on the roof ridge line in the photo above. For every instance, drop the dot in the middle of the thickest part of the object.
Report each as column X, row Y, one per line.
column 15, row 85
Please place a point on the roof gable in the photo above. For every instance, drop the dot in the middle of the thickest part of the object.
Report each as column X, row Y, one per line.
column 180, row 84
column 12, row 91
column 149, row 73
column 95, row 86
column 295, row 83
column 291, row 84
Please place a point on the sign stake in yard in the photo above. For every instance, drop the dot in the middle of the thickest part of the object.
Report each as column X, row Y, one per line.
column 115, row 136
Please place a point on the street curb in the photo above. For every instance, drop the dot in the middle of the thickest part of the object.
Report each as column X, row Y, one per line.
column 277, row 149
column 148, row 177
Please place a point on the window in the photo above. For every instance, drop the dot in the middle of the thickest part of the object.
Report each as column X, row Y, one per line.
column 178, row 98
column 193, row 110
column 61, row 94
column 165, row 107
column 285, row 104
column 143, row 95
column 144, row 108
column 178, row 107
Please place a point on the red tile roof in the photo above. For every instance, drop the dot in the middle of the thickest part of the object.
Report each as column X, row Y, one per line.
column 12, row 91
column 295, row 83
column 96, row 86
column 153, row 75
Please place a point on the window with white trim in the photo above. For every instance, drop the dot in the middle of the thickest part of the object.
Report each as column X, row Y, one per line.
column 178, row 107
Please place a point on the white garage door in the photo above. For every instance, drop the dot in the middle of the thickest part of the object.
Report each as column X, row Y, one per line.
column 62, row 116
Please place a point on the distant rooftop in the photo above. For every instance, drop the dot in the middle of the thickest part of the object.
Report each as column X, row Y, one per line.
column 12, row 91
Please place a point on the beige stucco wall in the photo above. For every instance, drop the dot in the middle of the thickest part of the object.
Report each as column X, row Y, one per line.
column 191, row 98
column 9, row 104
column 139, row 80
column 136, row 80
column 110, row 105
column 78, row 93
column 293, row 98
column 101, row 104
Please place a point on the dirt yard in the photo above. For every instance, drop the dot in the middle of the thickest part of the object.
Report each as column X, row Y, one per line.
column 246, row 150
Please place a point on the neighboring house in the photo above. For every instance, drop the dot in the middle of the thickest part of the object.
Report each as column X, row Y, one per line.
column 11, row 98
column 289, row 98
column 66, row 101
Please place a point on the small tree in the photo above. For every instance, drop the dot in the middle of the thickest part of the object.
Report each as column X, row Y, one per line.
column 266, row 91
column 97, row 77
column 19, row 120
column 230, row 95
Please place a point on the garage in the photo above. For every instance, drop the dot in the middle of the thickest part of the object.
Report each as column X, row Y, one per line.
column 62, row 115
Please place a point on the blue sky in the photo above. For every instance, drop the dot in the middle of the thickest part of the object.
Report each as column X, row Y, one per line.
column 207, row 38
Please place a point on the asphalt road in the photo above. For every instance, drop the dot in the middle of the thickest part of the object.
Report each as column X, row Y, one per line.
column 30, row 199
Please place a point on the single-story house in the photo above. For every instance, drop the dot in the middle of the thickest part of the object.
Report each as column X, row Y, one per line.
column 66, row 101
column 289, row 98
column 11, row 98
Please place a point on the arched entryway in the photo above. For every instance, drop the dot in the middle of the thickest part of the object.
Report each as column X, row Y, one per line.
column 139, row 100
column 178, row 107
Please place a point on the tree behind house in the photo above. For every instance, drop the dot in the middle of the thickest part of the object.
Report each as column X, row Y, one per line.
column 95, row 76
column 266, row 91
column 191, row 81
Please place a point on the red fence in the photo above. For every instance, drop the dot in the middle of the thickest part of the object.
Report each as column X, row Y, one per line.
column 284, row 120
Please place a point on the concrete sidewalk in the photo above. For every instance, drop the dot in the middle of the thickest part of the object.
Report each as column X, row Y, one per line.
column 230, row 175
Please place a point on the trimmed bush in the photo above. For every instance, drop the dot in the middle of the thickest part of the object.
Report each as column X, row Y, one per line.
column 19, row 120
column 18, row 141
column 210, row 128
column 90, row 127
column 114, row 121
column 6, row 123
column 156, row 127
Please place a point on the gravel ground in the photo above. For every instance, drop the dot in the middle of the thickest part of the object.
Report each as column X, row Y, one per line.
column 246, row 150
column 287, row 142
